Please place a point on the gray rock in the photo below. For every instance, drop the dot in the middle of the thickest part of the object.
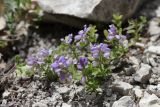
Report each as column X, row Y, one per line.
column 4, row 102
column 154, row 28
column 106, row 104
column 143, row 74
column 129, row 70
column 72, row 12
column 152, row 81
column 155, row 89
column 156, row 70
column 125, row 101
column 30, row 95
column 74, row 92
column 153, row 49
column 63, row 90
column 149, row 101
column 138, row 92
column 152, row 62
column 38, row 104
column 65, row 105
column 158, row 12
column 2, row 23
column 141, row 45
column 122, row 87
column 56, row 96
column 154, row 38
column 135, row 61
column 6, row 94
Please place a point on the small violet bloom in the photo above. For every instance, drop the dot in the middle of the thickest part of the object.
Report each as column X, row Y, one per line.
column 83, row 80
column 112, row 31
column 44, row 53
column 31, row 60
column 83, row 61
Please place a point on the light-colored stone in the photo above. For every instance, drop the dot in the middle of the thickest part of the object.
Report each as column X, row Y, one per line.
column 125, row 101
column 134, row 60
column 129, row 70
column 122, row 87
column 154, row 28
column 73, row 92
column 158, row 12
column 56, row 96
column 149, row 101
column 154, row 38
column 63, row 90
column 73, row 11
column 143, row 74
column 153, row 49
column 38, row 104
column 138, row 92
column 65, row 105
column 155, row 89
column 6, row 94
column 2, row 23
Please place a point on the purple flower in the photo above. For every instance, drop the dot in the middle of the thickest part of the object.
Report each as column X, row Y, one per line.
column 101, row 48
column 106, row 55
column 62, row 76
column 82, row 34
column 83, row 80
column 112, row 29
column 70, row 77
column 104, row 47
column 83, row 61
column 110, row 37
column 112, row 32
column 61, row 63
column 68, row 39
column 122, row 39
column 31, row 60
column 44, row 53
column 118, row 37
column 55, row 65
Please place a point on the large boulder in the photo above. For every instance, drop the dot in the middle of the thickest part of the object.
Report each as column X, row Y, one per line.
column 79, row 12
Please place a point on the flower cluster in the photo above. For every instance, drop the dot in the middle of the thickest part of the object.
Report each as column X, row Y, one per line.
column 112, row 34
column 60, row 66
column 82, row 36
column 39, row 58
column 101, row 48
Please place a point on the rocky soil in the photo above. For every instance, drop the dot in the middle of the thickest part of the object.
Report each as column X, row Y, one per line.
column 135, row 81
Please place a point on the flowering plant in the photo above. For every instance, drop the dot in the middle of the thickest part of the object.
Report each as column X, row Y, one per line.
column 81, row 58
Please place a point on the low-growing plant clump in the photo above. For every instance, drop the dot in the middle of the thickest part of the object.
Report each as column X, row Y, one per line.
column 81, row 58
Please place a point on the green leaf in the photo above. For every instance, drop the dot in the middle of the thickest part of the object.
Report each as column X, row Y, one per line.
column 105, row 33
column 131, row 31
column 23, row 71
